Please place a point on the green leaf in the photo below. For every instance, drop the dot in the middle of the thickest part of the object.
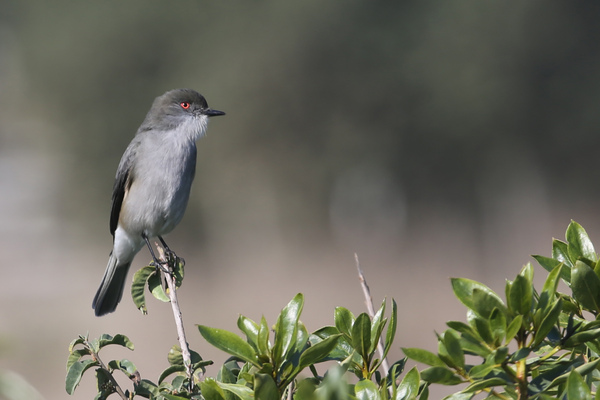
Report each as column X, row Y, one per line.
column 409, row 387
column 513, row 328
column 582, row 337
column 263, row 338
column 156, row 288
column 453, row 348
column 265, row 387
column 579, row 244
column 126, row 366
column 75, row 373
column 344, row 320
column 476, row 296
column 423, row 356
column 341, row 351
column 211, row 390
column 586, row 286
column 549, row 264
column 75, row 342
column 120, row 340
column 548, row 321
column 577, row 389
column 243, row 392
column 366, row 389
column 497, row 324
column 318, row 352
column 168, row 396
column 391, row 331
column 552, row 280
column 76, row 355
column 286, row 329
column 486, row 383
column 138, row 287
column 229, row 343
column 441, row 375
column 560, row 252
column 250, row 329
column 361, row 335
column 169, row 371
column 377, row 325
column 520, row 297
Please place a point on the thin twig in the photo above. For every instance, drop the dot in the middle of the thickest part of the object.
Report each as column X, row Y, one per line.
column 114, row 382
column 172, row 289
column 370, row 309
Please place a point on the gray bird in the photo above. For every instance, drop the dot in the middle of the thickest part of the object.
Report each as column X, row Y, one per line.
column 152, row 185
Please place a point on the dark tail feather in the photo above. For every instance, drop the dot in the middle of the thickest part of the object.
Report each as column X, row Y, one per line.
column 111, row 289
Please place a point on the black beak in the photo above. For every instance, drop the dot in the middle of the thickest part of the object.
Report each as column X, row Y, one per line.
column 212, row 113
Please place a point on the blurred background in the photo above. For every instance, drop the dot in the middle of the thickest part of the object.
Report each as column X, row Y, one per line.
column 434, row 139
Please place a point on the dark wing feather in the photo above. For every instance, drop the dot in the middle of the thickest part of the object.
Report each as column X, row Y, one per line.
column 123, row 181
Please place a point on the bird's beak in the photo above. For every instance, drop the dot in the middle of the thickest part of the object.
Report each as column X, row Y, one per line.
column 212, row 113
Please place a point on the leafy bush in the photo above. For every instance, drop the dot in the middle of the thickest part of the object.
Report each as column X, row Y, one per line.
column 532, row 345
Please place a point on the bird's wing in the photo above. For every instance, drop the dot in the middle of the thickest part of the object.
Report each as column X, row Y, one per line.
column 123, row 182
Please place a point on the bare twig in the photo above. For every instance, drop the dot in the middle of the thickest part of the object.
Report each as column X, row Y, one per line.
column 370, row 309
column 103, row 366
column 172, row 291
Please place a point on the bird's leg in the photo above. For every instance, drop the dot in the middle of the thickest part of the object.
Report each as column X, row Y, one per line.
column 157, row 263
column 168, row 252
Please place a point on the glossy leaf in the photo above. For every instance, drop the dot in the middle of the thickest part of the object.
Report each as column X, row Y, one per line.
column 551, row 282
column 586, row 286
column 361, row 335
column 477, row 297
column 344, row 320
column 577, row 389
column 423, row 356
column 520, row 297
column 548, row 322
column 318, row 352
column 366, row 389
column 377, row 324
column 229, row 343
column 582, row 337
column 391, row 330
column 265, row 387
column 497, row 324
column 440, row 375
column 408, row 389
column 579, row 244
column 560, row 252
column 513, row 328
column 243, row 392
column 211, row 390
column 549, row 264
column 453, row 348
column 286, row 328
column 262, row 339
column 250, row 329
column 484, row 384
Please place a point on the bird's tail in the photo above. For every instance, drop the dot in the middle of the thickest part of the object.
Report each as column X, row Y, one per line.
column 111, row 289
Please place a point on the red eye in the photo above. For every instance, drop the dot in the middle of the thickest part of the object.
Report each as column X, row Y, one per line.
column 185, row 105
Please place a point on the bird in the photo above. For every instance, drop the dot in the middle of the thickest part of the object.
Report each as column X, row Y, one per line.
column 152, row 184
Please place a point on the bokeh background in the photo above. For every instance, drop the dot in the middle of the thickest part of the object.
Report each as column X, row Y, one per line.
column 434, row 139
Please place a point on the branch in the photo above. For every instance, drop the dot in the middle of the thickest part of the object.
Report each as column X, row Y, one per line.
column 172, row 292
column 370, row 309
column 103, row 366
